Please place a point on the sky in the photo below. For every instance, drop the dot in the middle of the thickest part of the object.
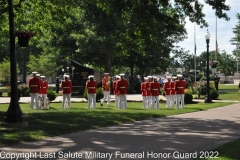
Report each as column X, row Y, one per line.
column 224, row 30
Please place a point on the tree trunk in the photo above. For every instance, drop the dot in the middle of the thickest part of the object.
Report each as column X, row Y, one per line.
column 108, row 64
column 131, row 69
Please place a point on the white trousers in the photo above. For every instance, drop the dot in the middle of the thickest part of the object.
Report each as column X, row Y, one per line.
column 116, row 101
column 34, row 96
column 172, row 100
column 144, row 102
column 44, row 96
column 180, row 97
column 68, row 97
column 91, row 100
column 168, row 101
column 123, row 101
column 149, row 101
column 106, row 97
column 155, row 99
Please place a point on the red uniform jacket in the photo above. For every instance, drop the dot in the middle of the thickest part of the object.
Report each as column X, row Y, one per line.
column 40, row 91
column 105, row 84
column 34, row 85
column 149, row 93
column 167, row 88
column 180, row 86
column 173, row 91
column 143, row 89
column 44, row 87
column 155, row 88
column 122, row 86
column 66, row 87
column 91, row 87
column 114, row 87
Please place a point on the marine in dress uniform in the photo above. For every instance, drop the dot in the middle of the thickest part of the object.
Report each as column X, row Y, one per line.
column 66, row 91
column 43, row 91
column 40, row 91
column 167, row 90
column 149, row 93
column 91, row 87
column 216, row 81
column 106, row 89
column 144, row 92
column 155, row 90
column 122, row 86
column 173, row 92
column 34, row 85
column 115, row 91
column 180, row 86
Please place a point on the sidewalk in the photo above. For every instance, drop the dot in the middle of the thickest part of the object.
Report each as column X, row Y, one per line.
column 131, row 97
column 183, row 135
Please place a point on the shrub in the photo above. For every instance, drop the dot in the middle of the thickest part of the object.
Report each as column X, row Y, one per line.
column 25, row 91
column 19, row 93
column 188, row 98
column 51, row 95
column 1, row 93
column 214, row 94
column 99, row 94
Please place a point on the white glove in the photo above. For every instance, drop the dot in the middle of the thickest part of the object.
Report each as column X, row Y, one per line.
column 108, row 82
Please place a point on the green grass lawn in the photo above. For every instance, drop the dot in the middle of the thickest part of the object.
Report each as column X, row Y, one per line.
column 56, row 121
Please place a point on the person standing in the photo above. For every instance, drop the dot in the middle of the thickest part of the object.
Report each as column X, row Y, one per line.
column 40, row 91
column 57, row 81
column 122, row 86
column 216, row 81
column 149, row 93
column 34, row 85
column 173, row 92
column 155, row 90
column 115, row 91
column 44, row 91
column 167, row 90
column 91, row 87
column 106, row 89
column 66, row 91
column 180, row 86
column 144, row 92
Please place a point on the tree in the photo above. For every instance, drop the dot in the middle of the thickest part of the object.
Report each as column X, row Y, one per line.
column 5, row 73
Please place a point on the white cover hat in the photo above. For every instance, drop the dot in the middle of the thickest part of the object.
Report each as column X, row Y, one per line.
column 117, row 76
column 145, row 78
column 90, row 76
column 179, row 75
column 150, row 76
column 106, row 73
column 168, row 77
column 174, row 77
column 42, row 76
column 38, row 75
column 34, row 72
column 65, row 75
column 122, row 74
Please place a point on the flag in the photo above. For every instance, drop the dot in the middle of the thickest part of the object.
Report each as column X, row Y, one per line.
column 216, row 47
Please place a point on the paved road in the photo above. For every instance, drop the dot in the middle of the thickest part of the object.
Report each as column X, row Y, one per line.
column 184, row 135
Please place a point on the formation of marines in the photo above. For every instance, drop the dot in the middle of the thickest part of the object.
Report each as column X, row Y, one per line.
column 150, row 89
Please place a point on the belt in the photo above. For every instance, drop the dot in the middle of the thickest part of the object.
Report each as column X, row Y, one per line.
column 168, row 88
column 122, row 87
column 33, row 85
column 143, row 89
column 44, row 87
column 179, row 87
column 154, row 89
column 66, row 87
column 91, row 87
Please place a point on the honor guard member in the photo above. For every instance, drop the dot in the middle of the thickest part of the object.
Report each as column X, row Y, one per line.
column 40, row 91
column 66, row 91
column 115, row 91
column 167, row 90
column 122, row 86
column 149, row 93
column 106, row 89
column 155, row 90
column 34, row 86
column 44, row 91
column 173, row 92
column 180, row 86
column 144, row 92
column 91, row 87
